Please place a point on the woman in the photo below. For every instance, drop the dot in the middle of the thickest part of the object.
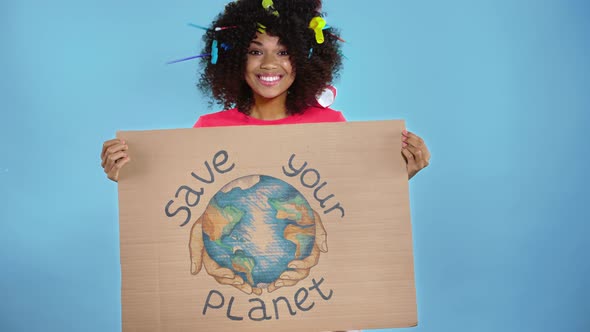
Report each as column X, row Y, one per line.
column 269, row 61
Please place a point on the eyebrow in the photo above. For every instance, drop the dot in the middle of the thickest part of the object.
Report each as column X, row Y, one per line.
column 257, row 43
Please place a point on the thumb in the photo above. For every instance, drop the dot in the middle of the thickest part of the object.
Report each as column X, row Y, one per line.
column 321, row 238
column 196, row 246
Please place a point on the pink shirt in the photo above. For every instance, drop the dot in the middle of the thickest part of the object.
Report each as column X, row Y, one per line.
column 234, row 117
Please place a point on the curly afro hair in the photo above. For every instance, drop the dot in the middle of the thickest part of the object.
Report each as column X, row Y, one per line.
column 224, row 81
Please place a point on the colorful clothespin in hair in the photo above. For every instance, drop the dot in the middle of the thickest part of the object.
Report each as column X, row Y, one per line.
column 333, row 35
column 214, row 52
column 261, row 28
column 327, row 27
column 189, row 58
column 225, row 28
column 327, row 97
column 269, row 6
column 215, row 29
column 266, row 4
column 317, row 24
column 198, row 26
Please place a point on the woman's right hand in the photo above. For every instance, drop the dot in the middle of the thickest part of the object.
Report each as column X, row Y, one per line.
column 114, row 157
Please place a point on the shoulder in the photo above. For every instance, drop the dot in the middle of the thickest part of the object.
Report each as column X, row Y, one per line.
column 318, row 114
column 231, row 117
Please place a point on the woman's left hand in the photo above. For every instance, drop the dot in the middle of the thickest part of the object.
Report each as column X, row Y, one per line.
column 415, row 153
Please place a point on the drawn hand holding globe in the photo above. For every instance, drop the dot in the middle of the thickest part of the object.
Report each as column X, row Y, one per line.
column 300, row 268
column 257, row 232
column 200, row 257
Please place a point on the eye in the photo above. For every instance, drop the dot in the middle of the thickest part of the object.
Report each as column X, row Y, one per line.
column 284, row 53
column 254, row 52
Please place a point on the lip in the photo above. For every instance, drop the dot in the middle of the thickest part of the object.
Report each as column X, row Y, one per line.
column 269, row 79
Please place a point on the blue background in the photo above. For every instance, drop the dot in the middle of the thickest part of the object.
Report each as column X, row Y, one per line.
column 498, row 89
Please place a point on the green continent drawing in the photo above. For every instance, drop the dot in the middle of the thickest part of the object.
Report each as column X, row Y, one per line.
column 256, row 225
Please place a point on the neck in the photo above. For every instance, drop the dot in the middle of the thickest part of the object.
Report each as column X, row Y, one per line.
column 269, row 109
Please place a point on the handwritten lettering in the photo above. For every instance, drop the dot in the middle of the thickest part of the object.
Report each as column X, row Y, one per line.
column 311, row 178
column 258, row 310
column 192, row 192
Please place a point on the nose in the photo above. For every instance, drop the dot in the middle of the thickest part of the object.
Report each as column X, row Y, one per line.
column 269, row 61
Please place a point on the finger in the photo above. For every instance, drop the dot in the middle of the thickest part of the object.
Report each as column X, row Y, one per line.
column 410, row 162
column 411, row 135
column 297, row 274
column 112, row 160
column 214, row 269
column 120, row 163
column 408, row 155
column 418, row 156
column 321, row 238
column 411, row 166
column 257, row 291
column 405, row 134
column 108, row 144
column 236, row 280
column 309, row 262
column 281, row 283
column 404, row 143
column 114, row 173
column 271, row 288
column 114, row 149
column 417, row 141
column 107, row 165
column 416, row 152
column 195, row 245
column 246, row 288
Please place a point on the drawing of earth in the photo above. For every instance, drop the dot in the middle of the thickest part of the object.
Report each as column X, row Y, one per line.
column 256, row 225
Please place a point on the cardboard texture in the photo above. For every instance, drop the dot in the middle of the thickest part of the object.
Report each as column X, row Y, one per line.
column 267, row 228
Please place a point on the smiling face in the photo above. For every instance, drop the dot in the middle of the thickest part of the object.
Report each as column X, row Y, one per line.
column 269, row 72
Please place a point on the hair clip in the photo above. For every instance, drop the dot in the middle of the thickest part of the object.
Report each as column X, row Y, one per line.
column 269, row 6
column 224, row 46
column 261, row 28
column 326, row 98
column 266, row 4
column 198, row 26
column 189, row 58
column 317, row 24
column 310, row 53
column 225, row 28
column 333, row 35
column 215, row 29
column 214, row 52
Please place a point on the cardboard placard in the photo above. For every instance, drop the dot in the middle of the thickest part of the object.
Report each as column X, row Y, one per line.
column 266, row 228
